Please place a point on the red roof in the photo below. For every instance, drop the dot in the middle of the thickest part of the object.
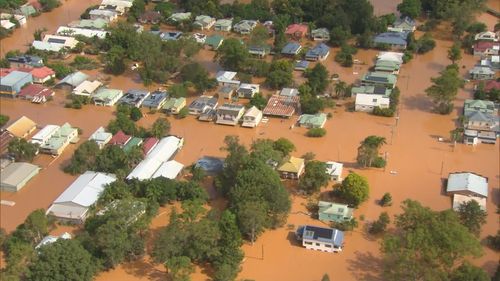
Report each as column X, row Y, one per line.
column 35, row 4
column 283, row 106
column 35, row 90
column 148, row 144
column 42, row 72
column 5, row 71
column 492, row 84
column 296, row 29
column 120, row 138
column 484, row 45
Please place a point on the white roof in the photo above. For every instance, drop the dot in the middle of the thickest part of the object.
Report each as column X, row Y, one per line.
column 334, row 168
column 119, row 3
column 46, row 46
column 250, row 86
column 68, row 40
column 100, row 135
column 162, row 152
column 467, row 182
column 49, row 239
column 371, row 100
column 82, row 31
column 85, row 190
column 170, row 170
column 7, row 24
column 391, row 56
column 87, row 87
column 459, row 199
column 253, row 111
column 106, row 13
column 44, row 134
column 225, row 76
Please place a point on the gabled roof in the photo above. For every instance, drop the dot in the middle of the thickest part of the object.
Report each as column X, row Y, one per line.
column 133, row 142
column 334, row 208
column 292, row 165
column 87, row 87
column 16, row 173
column 465, row 181
column 312, row 119
column 85, row 190
column 35, row 90
column 224, row 22
column 100, row 135
column 491, row 84
column 214, row 41
column 391, row 38
column 322, row 234
column 319, row 50
column 406, row 21
column 323, row 32
column 14, row 77
column 42, row 72
column 174, row 103
column 296, row 28
column 291, row 48
column 74, row 79
column 170, row 170
column 120, row 138
column 21, row 127
column 148, row 144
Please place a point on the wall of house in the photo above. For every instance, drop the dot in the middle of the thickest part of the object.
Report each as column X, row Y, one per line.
column 320, row 246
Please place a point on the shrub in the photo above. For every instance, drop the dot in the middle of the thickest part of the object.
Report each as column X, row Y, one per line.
column 349, row 225
column 386, row 112
column 380, row 225
column 379, row 162
column 386, row 200
column 183, row 113
column 316, row 132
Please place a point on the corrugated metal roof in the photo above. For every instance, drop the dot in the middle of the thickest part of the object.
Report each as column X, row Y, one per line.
column 85, row 190
column 169, row 170
column 467, row 182
column 15, row 173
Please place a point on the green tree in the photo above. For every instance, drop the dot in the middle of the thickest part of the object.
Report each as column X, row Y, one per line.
column 165, row 9
column 472, row 216
column 368, row 151
column 340, row 89
column 259, row 36
column 198, row 75
column 284, row 145
column 325, row 277
column 60, row 69
column 49, row 5
column 467, row 271
column 454, row 53
column 135, row 114
column 179, row 268
column 426, row 244
column 380, row 225
column 251, row 219
column 410, row 8
column 316, row 132
column 83, row 158
column 3, row 119
column 318, row 78
column 309, row 102
column 354, row 190
column 115, row 60
column 232, row 54
column 138, row 7
column 339, row 36
column 22, row 150
column 314, row 177
column 227, row 264
column 62, row 260
column 280, row 74
column 386, row 200
column 444, row 89
column 258, row 101
column 38, row 33
column 178, row 90
column 160, row 128
column 344, row 56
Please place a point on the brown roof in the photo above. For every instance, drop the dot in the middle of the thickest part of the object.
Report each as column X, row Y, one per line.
column 492, row 84
column 484, row 45
column 22, row 127
column 282, row 106
column 120, row 138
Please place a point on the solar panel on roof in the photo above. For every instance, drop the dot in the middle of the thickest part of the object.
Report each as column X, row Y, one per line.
column 56, row 40
column 320, row 232
column 379, row 90
column 377, row 79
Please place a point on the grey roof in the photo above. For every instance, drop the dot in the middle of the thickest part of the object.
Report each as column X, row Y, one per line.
column 134, row 97
column 170, row 35
column 482, row 70
column 480, row 116
column 16, row 173
column 28, row 60
column 203, row 101
column 467, row 182
column 405, row 20
column 230, row 109
column 85, row 190
column 14, row 77
column 74, row 79
column 291, row 48
column 319, row 50
column 211, row 165
column 322, row 234
column 155, row 99
column 289, row 92
column 391, row 38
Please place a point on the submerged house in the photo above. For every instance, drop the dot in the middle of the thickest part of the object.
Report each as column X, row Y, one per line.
column 22, row 127
column 101, row 137
column 214, row 41
column 334, row 212
column 36, row 93
column 468, row 184
column 482, row 124
column 174, row 105
column 223, row 25
column 155, row 100
column 44, row 134
column 72, row 80
column 320, row 238
column 319, row 53
column 291, row 49
column 247, row 90
column 312, row 120
column 120, row 139
column 297, row 31
column 229, row 114
column 252, row 117
column 320, row 34
column 405, row 24
column 226, row 78
column 26, row 61
column 60, row 140
column 481, row 73
column 87, row 88
column 395, row 40
column 202, row 105
column 293, row 168
column 379, row 79
column 16, row 175
column 134, row 97
column 334, row 170
column 152, row 17
column 282, row 106
column 367, row 102
column 12, row 83
column 107, row 97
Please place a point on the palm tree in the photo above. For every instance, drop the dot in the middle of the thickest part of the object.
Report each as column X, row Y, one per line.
column 340, row 88
column 369, row 149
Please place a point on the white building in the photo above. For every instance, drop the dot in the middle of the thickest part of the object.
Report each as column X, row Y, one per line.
column 322, row 239
column 72, row 31
column 246, row 90
column 101, row 137
column 49, row 239
column 367, row 102
column 103, row 14
column 20, row 18
column 44, row 134
column 169, row 170
column 252, row 117
column 227, row 78
column 55, row 43
column 119, row 6
column 334, row 170
column 162, row 152
column 391, row 56
column 87, row 88
column 73, row 204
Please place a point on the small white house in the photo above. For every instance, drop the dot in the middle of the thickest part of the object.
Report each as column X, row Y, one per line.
column 334, row 170
column 366, row 102
column 44, row 134
column 87, row 88
column 101, row 137
column 252, row 117
column 227, row 78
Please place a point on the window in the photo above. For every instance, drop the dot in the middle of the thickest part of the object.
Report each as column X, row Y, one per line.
column 308, row 243
column 328, row 245
column 317, row 244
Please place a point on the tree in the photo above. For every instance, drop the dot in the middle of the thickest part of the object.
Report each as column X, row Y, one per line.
column 135, row 114
column 426, row 244
column 160, row 128
column 251, row 219
column 258, row 101
column 227, row 264
column 114, row 60
column 259, row 36
column 3, row 119
column 62, row 260
column 339, row 36
column 198, row 75
column 467, row 271
column 284, row 145
column 386, row 200
column 472, row 216
column 314, row 177
column 368, row 151
column 325, row 277
column 380, row 225
column 344, row 57
column 22, row 150
column 83, row 158
column 317, row 78
column 49, row 5
column 165, row 9
column 38, row 33
column 178, row 90
column 309, row 102
column 454, row 53
column 138, row 7
column 280, row 74
column 354, row 189
column 410, row 8
column 232, row 54
column 60, row 69
column 340, row 89
column 444, row 89
column 179, row 268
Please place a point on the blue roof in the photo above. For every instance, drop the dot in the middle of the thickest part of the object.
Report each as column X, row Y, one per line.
column 391, row 38
column 14, row 77
column 319, row 50
column 291, row 48
column 27, row 59
column 321, row 234
column 155, row 99
column 301, row 64
column 170, row 35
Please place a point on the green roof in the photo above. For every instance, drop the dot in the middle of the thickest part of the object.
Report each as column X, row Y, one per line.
column 316, row 120
column 27, row 10
column 479, row 105
column 379, row 78
column 133, row 142
column 107, row 94
column 97, row 23
column 174, row 103
column 214, row 41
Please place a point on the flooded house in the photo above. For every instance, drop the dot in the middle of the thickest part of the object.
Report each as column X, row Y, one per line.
column 289, row 92
column 87, row 88
column 134, row 97
column 133, row 142
column 334, row 212
column 404, row 24
column 312, row 120
column 301, row 65
column 56, row 144
column 101, row 137
column 74, row 203
column 245, row 26
column 468, row 184
column 149, row 144
column 334, row 170
column 223, row 25
column 282, row 106
column 22, row 127
column 16, row 175
column 214, row 41
column 25, row 61
column 486, row 48
column 387, row 66
column 202, row 105
column 226, row 92
column 169, row 170
column 379, row 79
column 247, row 91
column 371, row 90
column 318, row 238
column 12, row 83
column 97, row 24
column 85, row 32
column 297, row 31
column 107, row 96
column 174, row 105
column 118, row 6
column 49, row 239
column 259, row 50
column 72, row 80
column 319, row 53
column 36, row 93
column 481, row 73
column 320, row 34
column 107, row 15
column 179, row 17
column 482, row 124
column 163, row 152
column 229, row 114
column 293, row 168
column 43, row 136
column 487, row 36
column 252, row 117
column 391, row 56
column 368, row 102
column 170, row 35
column 155, row 100
column 203, row 22
column 291, row 49
column 227, row 78
column 40, row 74
column 395, row 40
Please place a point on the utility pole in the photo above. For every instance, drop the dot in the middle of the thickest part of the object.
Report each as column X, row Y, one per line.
column 442, row 166
column 392, row 133
column 385, row 159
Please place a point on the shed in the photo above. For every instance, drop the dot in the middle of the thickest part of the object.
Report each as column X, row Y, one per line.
column 169, row 170
column 12, row 83
column 16, row 175
column 467, row 183
column 22, row 127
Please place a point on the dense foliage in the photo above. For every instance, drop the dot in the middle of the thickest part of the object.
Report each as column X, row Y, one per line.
column 22, row 150
column 354, row 190
column 368, row 151
column 445, row 88
column 314, row 177
column 3, row 119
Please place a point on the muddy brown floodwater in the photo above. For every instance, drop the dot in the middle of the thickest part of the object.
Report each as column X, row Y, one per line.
column 419, row 162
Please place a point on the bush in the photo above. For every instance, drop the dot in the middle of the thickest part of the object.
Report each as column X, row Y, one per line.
column 135, row 114
column 183, row 113
column 407, row 56
column 316, row 132
column 379, row 162
column 494, row 241
column 349, row 225
column 380, row 225
column 386, row 112
column 81, row 62
column 386, row 200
